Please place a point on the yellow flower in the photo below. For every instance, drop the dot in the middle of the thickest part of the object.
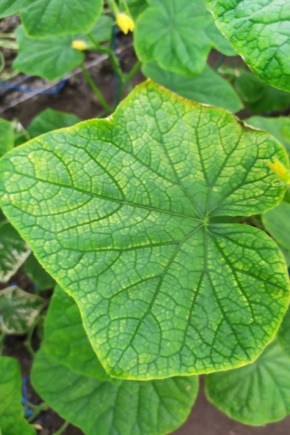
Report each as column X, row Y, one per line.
column 280, row 170
column 125, row 22
column 79, row 45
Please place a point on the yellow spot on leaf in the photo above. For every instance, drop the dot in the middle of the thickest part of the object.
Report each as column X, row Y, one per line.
column 280, row 170
column 79, row 45
column 125, row 22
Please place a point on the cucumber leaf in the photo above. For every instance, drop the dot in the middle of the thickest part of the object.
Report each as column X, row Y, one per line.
column 130, row 215
column 256, row 394
column 278, row 127
column 12, row 419
column 259, row 31
column 38, row 274
column 13, row 251
column 284, row 333
column 18, row 310
column 206, row 88
column 178, row 35
column 43, row 18
column 49, row 120
column 277, row 223
column 6, row 136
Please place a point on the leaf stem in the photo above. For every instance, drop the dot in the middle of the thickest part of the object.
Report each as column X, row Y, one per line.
column 133, row 71
column 2, row 338
column 61, row 429
column 37, row 410
column 111, row 55
column 95, row 89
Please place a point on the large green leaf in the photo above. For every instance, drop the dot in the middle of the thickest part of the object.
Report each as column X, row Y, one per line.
column 12, row 421
column 52, row 57
column 259, row 31
column 13, row 251
column 277, row 223
column 43, row 18
column 18, row 310
column 6, row 136
column 49, row 120
column 178, row 35
column 143, row 408
column 256, row 394
column 130, row 216
column 65, row 338
column 278, row 127
column 207, row 88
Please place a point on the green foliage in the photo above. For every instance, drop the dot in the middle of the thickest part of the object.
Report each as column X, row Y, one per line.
column 152, row 408
column 13, row 251
column 284, row 333
column 278, row 127
column 207, row 88
column 43, row 18
column 143, row 242
column 6, row 136
column 256, row 394
column 49, row 120
column 65, row 338
column 54, row 56
column 258, row 96
column 18, row 310
column 277, row 223
column 38, row 274
column 178, row 35
column 259, row 31
column 12, row 421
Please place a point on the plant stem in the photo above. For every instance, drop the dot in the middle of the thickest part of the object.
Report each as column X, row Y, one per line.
column 2, row 338
column 112, row 57
column 61, row 429
column 7, row 35
column 28, row 340
column 37, row 410
column 95, row 89
column 133, row 71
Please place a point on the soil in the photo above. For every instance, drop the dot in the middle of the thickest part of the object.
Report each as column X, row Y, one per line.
column 76, row 97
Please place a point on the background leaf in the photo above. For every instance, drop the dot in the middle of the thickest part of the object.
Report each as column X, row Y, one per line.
column 256, row 394
column 13, row 251
column 49, row 120
column 177, row 35
column 206, row 88
column 18, row 310
column 38, row 274
column 6, row 136
column 130, row 216
column 43, row 18
column 259, row 31
column 277, row 223
column 52, row 57
column 284, row 334
column 278, row 127
column 12, row 419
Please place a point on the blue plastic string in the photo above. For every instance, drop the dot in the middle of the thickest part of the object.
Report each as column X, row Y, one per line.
column 27, row 90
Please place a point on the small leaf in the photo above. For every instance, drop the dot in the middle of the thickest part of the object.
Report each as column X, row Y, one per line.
column 130, row 216
column 277, row 223
column 38, row 274
column 66, row 340
column 18, row 310
column 12, row 421
column 136, row 7
column 256, row 394
column 52, row 57
column 259, row 97
column 147, row 408
column 259, row 31
column 207, row 88
column 13, row 251
column 177, row 35
column 6, row 136
column 278, row 127
column 49, row 120
column 43, row 18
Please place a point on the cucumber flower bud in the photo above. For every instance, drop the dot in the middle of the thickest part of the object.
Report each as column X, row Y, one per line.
column 280, row 170
column 79, row 45
column 125, row 22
